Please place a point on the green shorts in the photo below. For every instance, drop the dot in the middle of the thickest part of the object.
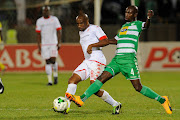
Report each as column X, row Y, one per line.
column 126, row 64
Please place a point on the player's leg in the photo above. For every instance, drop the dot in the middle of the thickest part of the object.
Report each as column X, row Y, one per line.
column 79, row 74
column 55, row 69
column 131, row 72
column 108, row 99
column 72, row 86
column 53, row 55
column 96, row 70
column 48, row 69
column 45, row 53
column 111, row 70
column 93, row 88
column 1, row 87
column 146, row 91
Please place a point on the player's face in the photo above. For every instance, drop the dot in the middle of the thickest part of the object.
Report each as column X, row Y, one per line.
column 82, row 24
column 46, row 12
column 129, row 14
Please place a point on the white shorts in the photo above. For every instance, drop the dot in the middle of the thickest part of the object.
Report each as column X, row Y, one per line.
column 89, row 68
column 49, row 51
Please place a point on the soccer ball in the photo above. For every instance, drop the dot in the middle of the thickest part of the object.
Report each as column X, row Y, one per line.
column 60, row 104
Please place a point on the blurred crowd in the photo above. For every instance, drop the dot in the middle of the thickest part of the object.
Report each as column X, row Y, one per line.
column 112, row 12
column 166, row 11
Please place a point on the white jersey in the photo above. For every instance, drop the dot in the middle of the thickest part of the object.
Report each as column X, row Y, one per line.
column 48, row 28
column 89, row 36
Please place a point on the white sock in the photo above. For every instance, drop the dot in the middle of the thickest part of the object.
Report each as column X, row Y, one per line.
column 72, row 90
column 55, row 69
column 49, row 72
column 107, row 98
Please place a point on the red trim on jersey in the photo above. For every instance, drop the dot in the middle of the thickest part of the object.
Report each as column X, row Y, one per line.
column 38, row 31
column 81, row 70
column 98, row 62
column 59, row 28
column 47, row 17
column 103, row 37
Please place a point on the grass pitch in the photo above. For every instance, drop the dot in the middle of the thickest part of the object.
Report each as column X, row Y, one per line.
column 26, row 97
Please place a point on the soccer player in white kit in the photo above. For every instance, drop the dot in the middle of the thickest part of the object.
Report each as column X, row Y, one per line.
column 94, row 63
column 48, row 30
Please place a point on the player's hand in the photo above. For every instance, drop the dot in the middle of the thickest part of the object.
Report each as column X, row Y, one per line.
column 89, row 49
column 150, row 14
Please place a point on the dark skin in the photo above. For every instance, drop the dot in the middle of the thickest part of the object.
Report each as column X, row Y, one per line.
column 82, row 24
column 46, row 14
column 130, row 16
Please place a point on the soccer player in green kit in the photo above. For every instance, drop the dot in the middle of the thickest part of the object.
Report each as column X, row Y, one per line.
column 125, row 60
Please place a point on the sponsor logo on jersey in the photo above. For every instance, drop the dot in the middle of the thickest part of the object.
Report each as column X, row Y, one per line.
column 124, row 30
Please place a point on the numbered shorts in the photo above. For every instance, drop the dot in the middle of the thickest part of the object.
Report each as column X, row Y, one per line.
column 90, row 69
column 49, row 51
column 126, row 64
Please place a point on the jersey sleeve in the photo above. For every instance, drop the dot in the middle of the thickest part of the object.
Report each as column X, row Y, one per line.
column 143, row 27
column 140, row 25
column 57, row 24
column 38, row 26
column 100, row 33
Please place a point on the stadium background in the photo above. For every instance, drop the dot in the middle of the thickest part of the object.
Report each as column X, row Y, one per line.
column 19, row 17
column 26, row 96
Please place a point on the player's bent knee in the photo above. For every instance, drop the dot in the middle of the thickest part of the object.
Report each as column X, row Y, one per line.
column 105, row 76
column 74, row 80
column 138, row 88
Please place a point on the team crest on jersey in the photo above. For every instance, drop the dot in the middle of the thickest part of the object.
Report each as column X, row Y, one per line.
column 124, row 30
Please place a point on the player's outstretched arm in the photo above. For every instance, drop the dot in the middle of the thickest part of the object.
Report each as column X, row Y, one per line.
column 113, row 41
column 101, row 43
column 149, row 16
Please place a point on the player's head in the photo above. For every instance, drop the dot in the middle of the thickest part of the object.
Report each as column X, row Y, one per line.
column 82, row 21
column 46, row 11
column 131, row 13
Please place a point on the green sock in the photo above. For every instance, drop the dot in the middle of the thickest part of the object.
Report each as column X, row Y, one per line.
column 93, row 88
column 151, row 94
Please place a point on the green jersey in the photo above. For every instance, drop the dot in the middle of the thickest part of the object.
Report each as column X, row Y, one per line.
column 127, row 38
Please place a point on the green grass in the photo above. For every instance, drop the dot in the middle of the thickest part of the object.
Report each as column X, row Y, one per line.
column 26, row 97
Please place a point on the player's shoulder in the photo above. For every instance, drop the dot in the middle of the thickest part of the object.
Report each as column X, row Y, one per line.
column 138, row 22
column 94, row 27
column 53, row 17
column 40, row 19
